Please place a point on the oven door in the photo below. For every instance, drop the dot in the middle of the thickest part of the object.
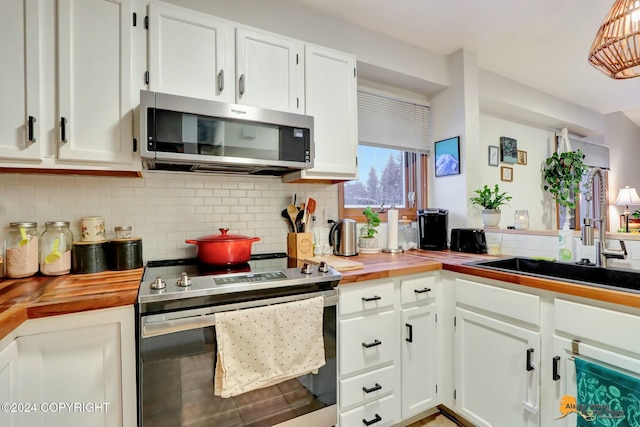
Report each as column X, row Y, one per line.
column 177, row 365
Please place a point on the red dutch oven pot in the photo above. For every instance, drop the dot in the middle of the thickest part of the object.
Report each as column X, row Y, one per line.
column 224, row 249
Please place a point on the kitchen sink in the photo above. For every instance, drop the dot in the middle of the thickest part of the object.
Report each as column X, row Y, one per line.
column 570, row 272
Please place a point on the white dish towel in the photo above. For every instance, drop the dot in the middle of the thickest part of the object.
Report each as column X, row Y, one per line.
column 263, row 346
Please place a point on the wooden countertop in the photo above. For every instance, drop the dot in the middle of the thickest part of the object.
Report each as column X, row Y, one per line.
column 42, row 296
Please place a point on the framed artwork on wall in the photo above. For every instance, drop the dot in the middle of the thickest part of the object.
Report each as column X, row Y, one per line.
column 494, row 152
column 506, row 173
column 447, row 156
column 508, row 150
column 522, row 157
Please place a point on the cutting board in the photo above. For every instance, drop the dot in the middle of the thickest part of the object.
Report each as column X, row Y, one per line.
column 338, row 263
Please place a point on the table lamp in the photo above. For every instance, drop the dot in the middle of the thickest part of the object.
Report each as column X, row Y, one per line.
column 627, row 196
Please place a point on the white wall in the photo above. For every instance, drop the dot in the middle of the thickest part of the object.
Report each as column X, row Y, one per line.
column 526, row 187
column 163, row 208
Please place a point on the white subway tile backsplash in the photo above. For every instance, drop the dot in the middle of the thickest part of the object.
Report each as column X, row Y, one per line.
column 164, row 209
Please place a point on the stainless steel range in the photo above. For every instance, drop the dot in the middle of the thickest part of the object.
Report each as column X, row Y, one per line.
column 177, row 304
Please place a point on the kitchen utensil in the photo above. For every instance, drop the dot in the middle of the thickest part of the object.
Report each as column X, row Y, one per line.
column 286, row 216
column 311, row 207
column 305, row 216
column 343, row 238
column 55, row 253
column 299, row 224
column 224, row 249
column 293, row 213
column 24, row 238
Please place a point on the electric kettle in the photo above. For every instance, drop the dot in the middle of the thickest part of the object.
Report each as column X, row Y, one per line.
column 344, row 238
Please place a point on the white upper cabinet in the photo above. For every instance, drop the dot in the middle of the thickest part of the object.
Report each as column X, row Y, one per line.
column 69, row 94
column 331, row 98
column 269, row 71
column 190, row 53
column 94, row 88
column 19, row 82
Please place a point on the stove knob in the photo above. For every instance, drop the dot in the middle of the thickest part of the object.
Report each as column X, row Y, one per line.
column 324, row 268
column 184, row 280
column 158, row 283
column 306, row 269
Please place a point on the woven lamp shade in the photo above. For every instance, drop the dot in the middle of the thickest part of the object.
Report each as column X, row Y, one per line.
column 616, row 48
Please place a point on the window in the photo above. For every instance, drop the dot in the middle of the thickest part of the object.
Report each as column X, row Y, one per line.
column 392, row 158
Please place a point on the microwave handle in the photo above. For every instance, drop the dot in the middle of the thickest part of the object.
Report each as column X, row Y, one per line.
column 221, row 80
column 241, row 84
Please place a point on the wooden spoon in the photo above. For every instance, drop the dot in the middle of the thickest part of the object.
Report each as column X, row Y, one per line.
column 293, row 213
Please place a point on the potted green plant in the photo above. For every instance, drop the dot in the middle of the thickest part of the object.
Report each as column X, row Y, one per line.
column 490, row 200
column 562, row 173
column 368, row 240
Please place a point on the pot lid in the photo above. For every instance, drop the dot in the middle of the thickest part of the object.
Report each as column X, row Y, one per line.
column 223, row 237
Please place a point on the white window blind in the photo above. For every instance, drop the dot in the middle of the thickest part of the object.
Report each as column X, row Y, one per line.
column 392, row 123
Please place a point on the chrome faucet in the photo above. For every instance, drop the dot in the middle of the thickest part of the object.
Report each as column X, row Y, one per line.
column 602, row 252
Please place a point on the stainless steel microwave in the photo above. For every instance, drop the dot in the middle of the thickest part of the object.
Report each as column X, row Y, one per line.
column 195, row 135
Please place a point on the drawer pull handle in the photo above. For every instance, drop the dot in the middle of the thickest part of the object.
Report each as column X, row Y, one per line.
column 372, row 389
column 31, row 136
column 373, row 421
column 221, row 81
column 410, row 337
column 63, row 129
column 556, row 362
column 371, row 344
column 422, row 291
column 529, row 354
column 373, row 298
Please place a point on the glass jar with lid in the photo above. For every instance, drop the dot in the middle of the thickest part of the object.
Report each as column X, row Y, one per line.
column 407, row 234
column 21, row 250
column 55, row 248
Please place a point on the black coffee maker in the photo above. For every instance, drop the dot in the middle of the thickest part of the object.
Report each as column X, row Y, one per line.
column 432, row 225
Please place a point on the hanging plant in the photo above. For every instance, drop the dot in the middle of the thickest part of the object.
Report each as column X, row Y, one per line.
column 562, row 175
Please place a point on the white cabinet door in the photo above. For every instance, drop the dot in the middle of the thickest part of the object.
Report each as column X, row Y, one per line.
column 493, row 384
column 269, row 71
column 94, row 81
column 190, row 53
column 331, row 98
column 19, row 80
column 8, row 382
column 79, row 365
column 418, row 359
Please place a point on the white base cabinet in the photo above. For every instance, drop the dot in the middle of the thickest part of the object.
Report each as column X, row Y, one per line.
column 72, row 370
column 387, row 350
column 496, row 356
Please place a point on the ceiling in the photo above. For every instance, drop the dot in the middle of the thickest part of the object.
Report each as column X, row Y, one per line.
column 542, row 43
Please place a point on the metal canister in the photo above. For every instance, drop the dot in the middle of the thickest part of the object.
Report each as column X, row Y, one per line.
column 89, row 257
column 125, row 254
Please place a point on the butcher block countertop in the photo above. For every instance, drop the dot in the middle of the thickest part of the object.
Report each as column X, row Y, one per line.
column 42, row 296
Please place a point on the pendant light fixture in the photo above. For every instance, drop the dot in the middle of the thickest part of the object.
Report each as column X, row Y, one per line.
column 616, row 49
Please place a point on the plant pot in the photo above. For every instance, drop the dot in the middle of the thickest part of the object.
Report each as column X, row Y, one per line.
column 491, row 218
column 368, row 244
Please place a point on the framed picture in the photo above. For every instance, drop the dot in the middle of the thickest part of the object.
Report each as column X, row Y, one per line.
column 493, row 155
column 522, row 157
column 506, row 173
column 508, row 150
column 448, row 156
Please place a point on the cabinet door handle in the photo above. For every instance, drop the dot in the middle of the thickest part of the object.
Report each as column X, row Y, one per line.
column 31, row 136
column 372, row 389
column 241, row 85
column 376, row 419
column 556, row 363
column 63, row 129
column 410, row 337
column 221, row 80
column 529, row 354
column 371, row 344
column 373, row 298
column 422, row 291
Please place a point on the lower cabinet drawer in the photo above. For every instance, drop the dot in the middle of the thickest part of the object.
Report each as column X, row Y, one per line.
column 382, row 412
column 372, row 385
column 367, row 341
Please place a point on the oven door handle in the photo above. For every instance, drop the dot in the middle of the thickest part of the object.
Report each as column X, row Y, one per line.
column 153, row 329
column 202, row 318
